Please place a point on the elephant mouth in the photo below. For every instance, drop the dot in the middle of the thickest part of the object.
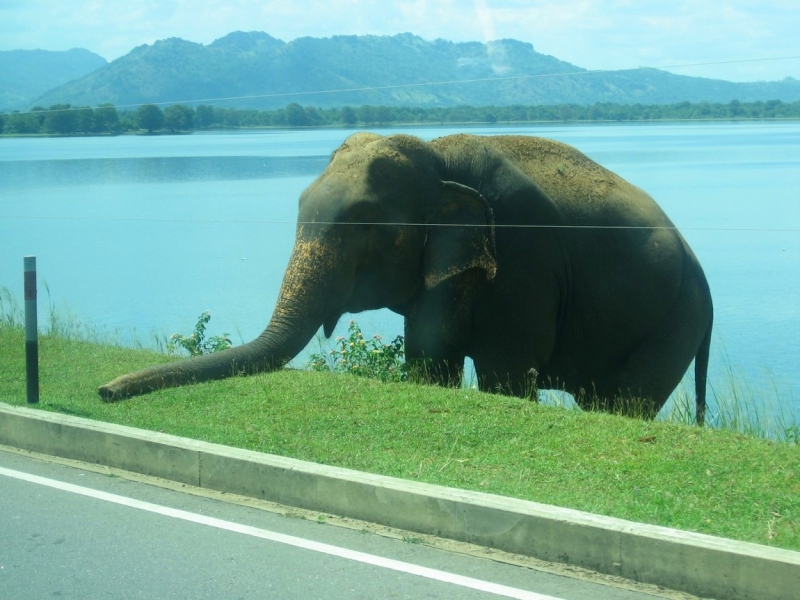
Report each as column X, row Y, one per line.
column 329, row 323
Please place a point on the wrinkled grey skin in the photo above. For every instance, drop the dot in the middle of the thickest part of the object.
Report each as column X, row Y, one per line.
column 519, row 252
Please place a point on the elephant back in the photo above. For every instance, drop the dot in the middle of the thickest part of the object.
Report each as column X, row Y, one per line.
column 584, row 191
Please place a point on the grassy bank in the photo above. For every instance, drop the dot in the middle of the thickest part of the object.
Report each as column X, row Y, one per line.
column 707, row 480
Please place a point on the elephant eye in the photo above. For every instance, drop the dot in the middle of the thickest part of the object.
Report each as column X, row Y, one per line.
column 363, row 212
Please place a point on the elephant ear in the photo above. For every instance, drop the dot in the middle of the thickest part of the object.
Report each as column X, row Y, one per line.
column 450, row 249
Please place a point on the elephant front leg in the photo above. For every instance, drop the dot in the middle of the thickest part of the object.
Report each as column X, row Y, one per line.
column 431, row 357
column 511, row 377
column 438, row 329
column 435, row 341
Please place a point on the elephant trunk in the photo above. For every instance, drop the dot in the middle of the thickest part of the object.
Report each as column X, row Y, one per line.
column 305, row 300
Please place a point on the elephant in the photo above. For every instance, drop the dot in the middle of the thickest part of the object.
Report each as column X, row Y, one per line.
column 543, row 267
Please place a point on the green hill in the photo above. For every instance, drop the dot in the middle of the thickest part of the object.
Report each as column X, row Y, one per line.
column 26, row 74
column 256, row 70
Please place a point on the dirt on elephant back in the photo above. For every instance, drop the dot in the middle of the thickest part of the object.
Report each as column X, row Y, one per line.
column 560, row 170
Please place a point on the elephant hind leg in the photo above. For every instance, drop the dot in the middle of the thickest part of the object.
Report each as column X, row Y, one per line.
column 656, row 366
column 627, row 400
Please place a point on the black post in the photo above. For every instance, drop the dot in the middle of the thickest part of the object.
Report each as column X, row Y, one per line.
column 31, row 331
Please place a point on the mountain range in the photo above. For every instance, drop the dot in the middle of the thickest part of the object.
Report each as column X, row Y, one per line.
column 256, row 70
column 27, row 74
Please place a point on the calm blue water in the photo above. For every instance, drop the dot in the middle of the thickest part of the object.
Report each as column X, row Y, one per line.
column 136, row 236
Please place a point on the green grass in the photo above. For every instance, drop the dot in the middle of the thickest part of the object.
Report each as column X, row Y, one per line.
column 713, row 481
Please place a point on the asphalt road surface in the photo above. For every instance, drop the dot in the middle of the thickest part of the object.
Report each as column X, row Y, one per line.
column 67, row 532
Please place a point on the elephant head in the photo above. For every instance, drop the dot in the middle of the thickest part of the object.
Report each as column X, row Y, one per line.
column 377, row 229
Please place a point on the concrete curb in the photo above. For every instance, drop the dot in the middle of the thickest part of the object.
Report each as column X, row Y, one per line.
column 699, row 564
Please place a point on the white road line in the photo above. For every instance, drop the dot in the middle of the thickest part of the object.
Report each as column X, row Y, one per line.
column 370, row 559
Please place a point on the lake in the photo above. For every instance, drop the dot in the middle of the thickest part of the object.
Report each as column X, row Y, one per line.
column 135, row 236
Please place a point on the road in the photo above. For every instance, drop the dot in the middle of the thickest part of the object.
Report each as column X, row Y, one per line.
column 68, row 532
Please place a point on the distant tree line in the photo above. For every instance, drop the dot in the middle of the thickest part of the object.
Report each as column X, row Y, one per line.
column 64, row 119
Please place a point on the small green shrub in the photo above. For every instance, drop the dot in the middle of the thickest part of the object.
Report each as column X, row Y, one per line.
column 364, row 357
column 196, row 343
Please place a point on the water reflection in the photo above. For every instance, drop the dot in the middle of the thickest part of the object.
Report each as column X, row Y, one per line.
column 24, row 174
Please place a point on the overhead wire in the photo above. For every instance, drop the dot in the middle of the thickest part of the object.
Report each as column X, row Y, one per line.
column 582, row 72
column 404, row 224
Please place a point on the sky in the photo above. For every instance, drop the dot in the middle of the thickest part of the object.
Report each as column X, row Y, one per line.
column 758, row 40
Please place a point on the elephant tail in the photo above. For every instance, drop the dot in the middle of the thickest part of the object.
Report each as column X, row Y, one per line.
column 701, row 372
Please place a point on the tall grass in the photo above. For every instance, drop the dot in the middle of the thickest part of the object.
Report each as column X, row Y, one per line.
column 62, row 322
column 11, row 315
column 734, row 403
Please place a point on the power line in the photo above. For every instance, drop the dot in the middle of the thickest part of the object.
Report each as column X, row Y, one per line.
column 722, row 62
column 404, row 224
column 582, row 72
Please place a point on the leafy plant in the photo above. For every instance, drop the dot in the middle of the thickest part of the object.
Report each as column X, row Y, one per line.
column 364, row 357
column 196, row 343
